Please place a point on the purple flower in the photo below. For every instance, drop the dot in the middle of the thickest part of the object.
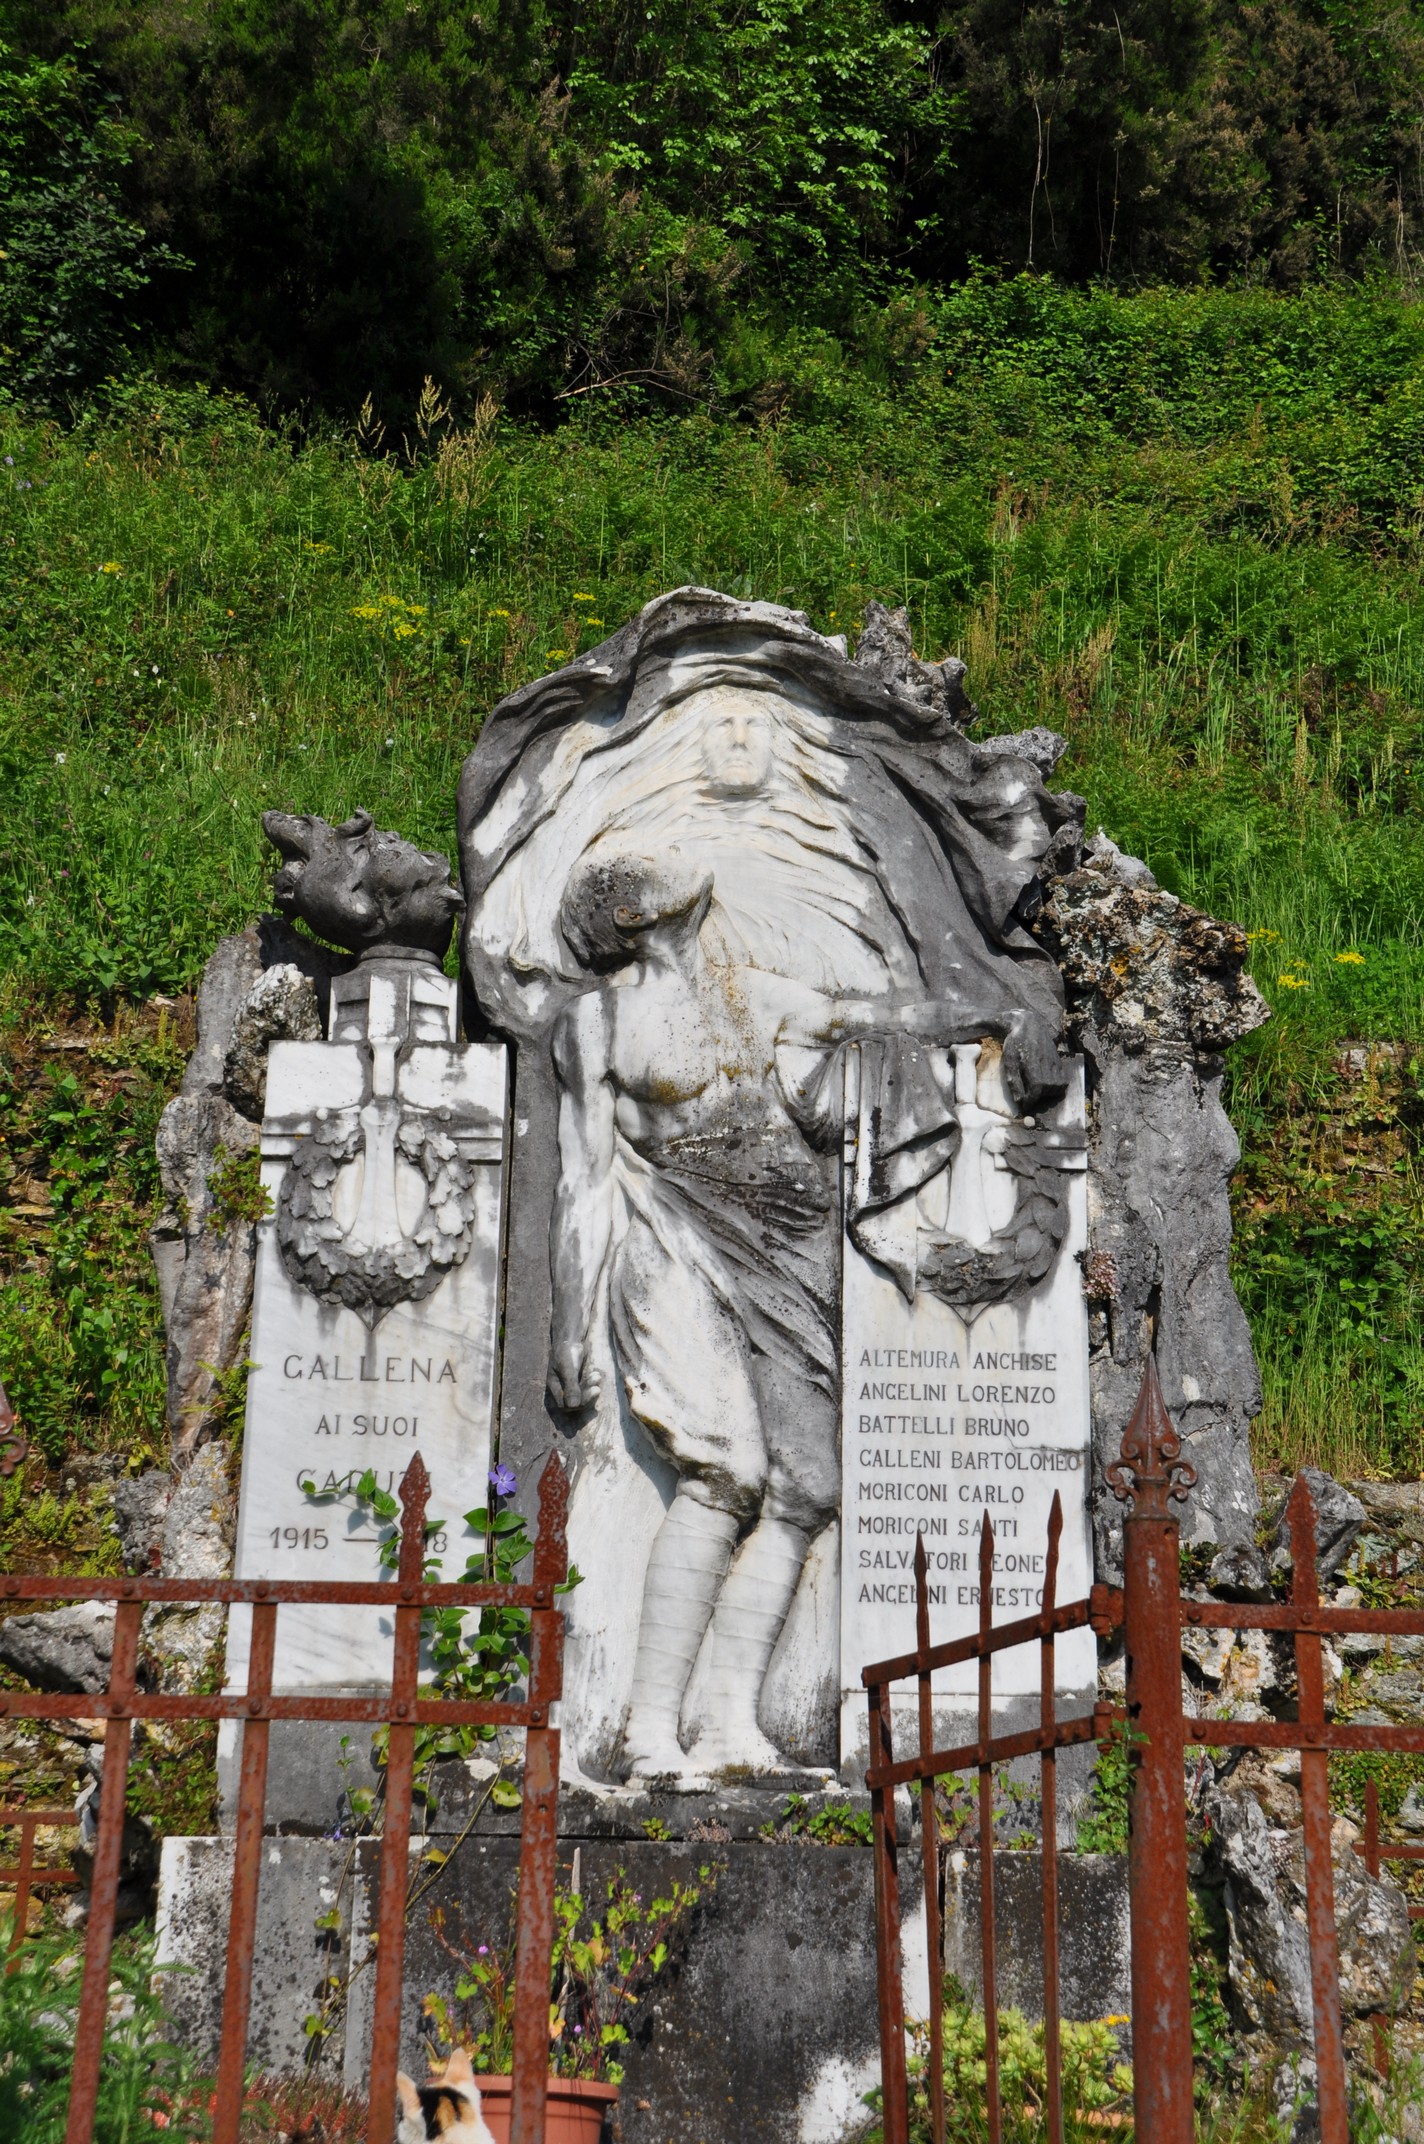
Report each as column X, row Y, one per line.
column 483, row 1951
column 503, row 1480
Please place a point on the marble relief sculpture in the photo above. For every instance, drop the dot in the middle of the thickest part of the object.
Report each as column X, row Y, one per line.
column 700, row 862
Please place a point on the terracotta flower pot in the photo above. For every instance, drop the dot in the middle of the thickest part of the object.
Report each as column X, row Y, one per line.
column 573, row 2111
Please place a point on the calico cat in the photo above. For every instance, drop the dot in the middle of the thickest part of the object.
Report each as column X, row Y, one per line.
column 448, row 2107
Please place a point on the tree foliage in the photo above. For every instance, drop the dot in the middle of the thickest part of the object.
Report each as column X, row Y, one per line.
column 316, row 200
column 72, row 259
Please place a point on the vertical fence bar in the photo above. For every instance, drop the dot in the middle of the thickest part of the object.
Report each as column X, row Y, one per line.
column 246, row 1875
column 1372, row 1863
column 538, row 1846
column 929, row 1841
column 894, row 2081
column 539, row 1818
column 395, row 1841
column 1315, row 1831
column 104, row 1889
column 1048, row 1810
column 24, row 1879
column 1148, row 1473
column 988, row 1948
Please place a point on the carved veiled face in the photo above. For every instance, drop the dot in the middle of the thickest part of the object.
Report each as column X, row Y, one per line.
column 1006, row 806
column 736, row 743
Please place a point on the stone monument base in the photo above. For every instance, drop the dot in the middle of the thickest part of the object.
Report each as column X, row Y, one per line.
column 765, row 2025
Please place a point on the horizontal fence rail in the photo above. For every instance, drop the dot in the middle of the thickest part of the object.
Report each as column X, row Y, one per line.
column 1149, row 1476
column 403, row 1710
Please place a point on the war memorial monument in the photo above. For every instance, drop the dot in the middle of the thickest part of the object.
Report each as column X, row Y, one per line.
column 815, row 1140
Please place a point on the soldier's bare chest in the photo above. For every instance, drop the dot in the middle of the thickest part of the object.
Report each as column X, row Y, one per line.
column 673, row 1043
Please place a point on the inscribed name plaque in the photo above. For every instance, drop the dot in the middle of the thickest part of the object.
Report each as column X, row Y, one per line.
column 375, row 1310
column 958, row 1405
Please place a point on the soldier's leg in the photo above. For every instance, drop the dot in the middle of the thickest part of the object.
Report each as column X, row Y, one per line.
column 685, row 1573
column 802, row 1492
column 687, row 1379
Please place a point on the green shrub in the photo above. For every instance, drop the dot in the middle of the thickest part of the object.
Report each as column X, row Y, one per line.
column 145, row 2081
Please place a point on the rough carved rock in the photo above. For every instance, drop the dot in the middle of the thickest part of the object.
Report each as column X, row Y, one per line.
column 1240, row 1573
column 196, row 1543
column 197, row 1531
column 1339, row 1522
column 62, row 1649
column 886, row 649
column 204, row 1256
column 140, row 1507
column 1156, row 991
column 1042, row 748
column 280, row 1007
column 1144, row 971
column 1242, row 1669
column 1265, row 1906
column 138, row 1855
column 204, row 1253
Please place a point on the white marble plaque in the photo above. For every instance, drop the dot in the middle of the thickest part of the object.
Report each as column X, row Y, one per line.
column 331, row 1394
column 949, row 1415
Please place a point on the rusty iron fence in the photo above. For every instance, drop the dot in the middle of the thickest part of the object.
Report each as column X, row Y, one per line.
column 1373, row 1854
column 922, row 1771
column 1149, row 1475
column 402, row 1710
column 27, row 1874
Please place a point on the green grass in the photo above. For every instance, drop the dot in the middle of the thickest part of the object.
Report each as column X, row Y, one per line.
column 1184, row 528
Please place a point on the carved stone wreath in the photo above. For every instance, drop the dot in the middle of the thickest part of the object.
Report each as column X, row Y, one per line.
column 971, row 1276
column 372, row 1279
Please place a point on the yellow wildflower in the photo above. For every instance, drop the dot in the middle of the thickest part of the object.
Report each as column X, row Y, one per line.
column 499, row 613
column 1294, row 982
column 111, row 565
column 584, row 599
column 1349, row 960
column 317, row 546
column 365, row 610
column 556, row 655
column 593, row 621
column 1262, row 937
column 404, row 631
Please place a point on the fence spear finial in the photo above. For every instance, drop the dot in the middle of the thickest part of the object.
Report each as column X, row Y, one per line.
column 414, row 1496
column 1149, row 1469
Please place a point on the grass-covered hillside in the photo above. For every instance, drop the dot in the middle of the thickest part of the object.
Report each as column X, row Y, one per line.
column 1184, row 528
